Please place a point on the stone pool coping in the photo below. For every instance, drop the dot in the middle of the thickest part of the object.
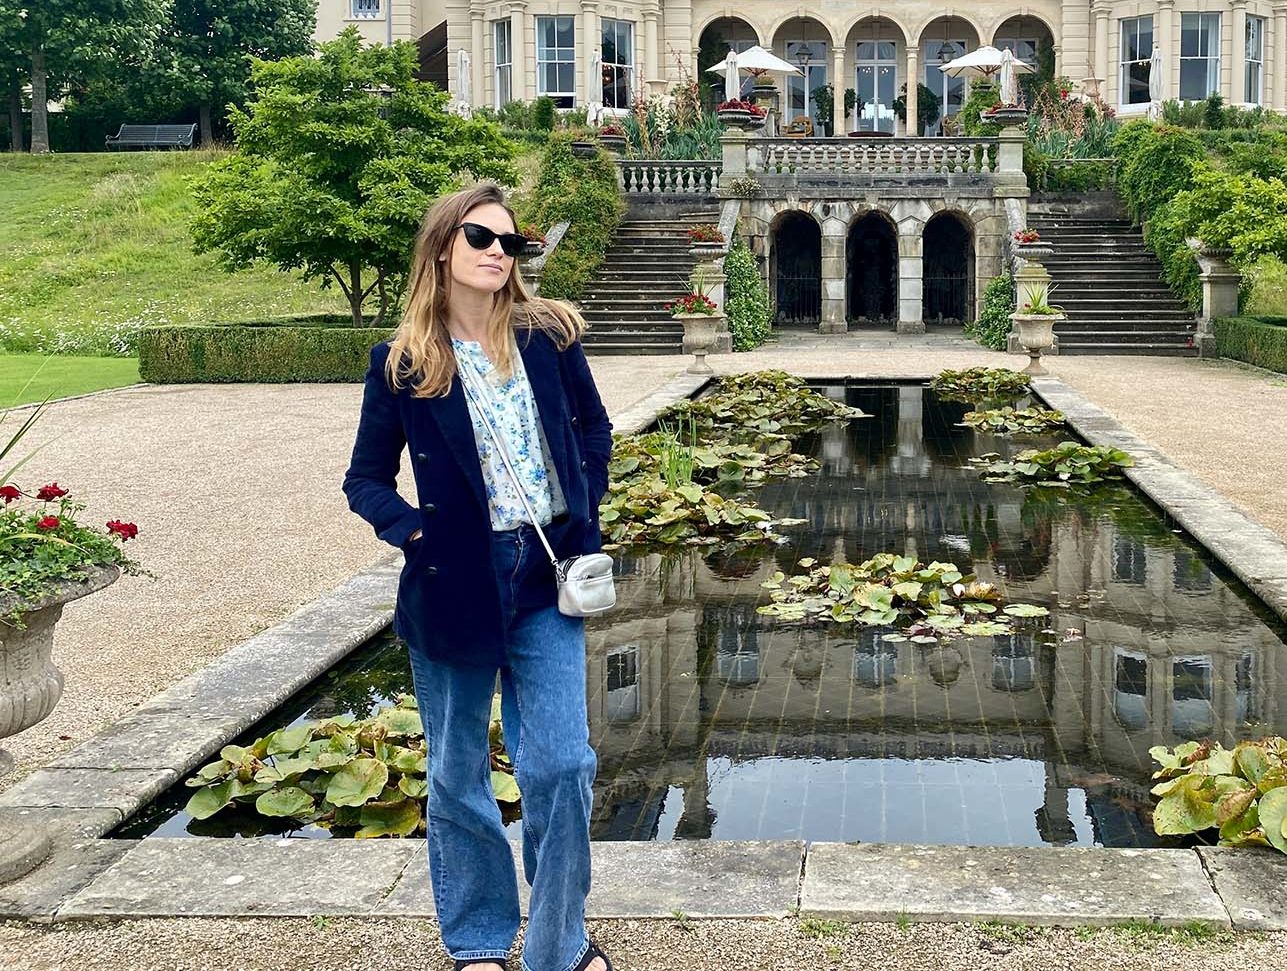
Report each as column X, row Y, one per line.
column 90, row 790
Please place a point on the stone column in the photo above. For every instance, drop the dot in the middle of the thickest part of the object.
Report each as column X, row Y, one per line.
column 1276, row 59
column 913, row 90
column 833, row 277
column 733, row 152
column 911, row 317
column 1165, row 37
column 839, row 123
column 1237, row 93
column 651, row 53
column 523, row 73
column 1010, row 154
column 1219, row 294
column 1100, row 66
column 476, row 56
column 593, row 40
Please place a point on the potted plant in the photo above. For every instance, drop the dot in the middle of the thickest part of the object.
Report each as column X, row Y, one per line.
column 701, row 318
column 535, row 241
column 1034, row 322
column 57, row 560
column 705, row 239
column 738, row 113
column 582, row 144
column 1007, row 114
column 1027, row 244
column 613, row 138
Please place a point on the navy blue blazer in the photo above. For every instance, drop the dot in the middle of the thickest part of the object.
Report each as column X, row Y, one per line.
column 448, row 595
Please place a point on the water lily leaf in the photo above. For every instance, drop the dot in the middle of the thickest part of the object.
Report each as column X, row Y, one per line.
column 399, row 818
column 1233, row 804
column 1273, row 817
column 908, row 589
column 400, row 721
column 985, row 628
column 895, row 638
column 357, row 782
column 413, row 787
column 283, row 770
column 505, row 787
column 1244, row 830
column 924, row 639
column 287, row 801
column 1025, row 610
column 209, row 800
column 1187, row 808
column 407, row 761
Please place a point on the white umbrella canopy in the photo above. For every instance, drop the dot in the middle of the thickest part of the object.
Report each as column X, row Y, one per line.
column 981, row 62
column 732, row 82
column 757, row 59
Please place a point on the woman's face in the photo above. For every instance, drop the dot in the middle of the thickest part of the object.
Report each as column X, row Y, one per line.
column 488, row 269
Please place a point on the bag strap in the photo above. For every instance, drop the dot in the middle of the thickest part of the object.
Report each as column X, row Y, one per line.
column 469, row 382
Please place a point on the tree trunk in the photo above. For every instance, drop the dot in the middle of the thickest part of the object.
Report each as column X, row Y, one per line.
column 39, row 102
column 16, row 134
column 384, row 303
column 207, row 132
column 355, row 292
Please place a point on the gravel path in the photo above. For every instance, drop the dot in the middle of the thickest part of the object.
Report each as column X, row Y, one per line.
column 236, row 493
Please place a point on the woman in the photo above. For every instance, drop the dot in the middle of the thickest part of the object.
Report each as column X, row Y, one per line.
column 477, row 594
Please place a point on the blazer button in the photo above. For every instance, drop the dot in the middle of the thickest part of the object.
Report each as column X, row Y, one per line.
column 583, row 466
column 421, row 457
column 431, row 571
column 574, row 419
column 429, row 507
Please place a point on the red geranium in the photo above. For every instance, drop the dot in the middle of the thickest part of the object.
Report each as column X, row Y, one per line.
column 48, row 522
column 123, row 530
column 1026, row 236
column 692, row 303
column 50, row 492
column 738, row 104
column 9, row 493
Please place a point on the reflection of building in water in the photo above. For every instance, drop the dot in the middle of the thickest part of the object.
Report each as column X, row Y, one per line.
column 685, row 670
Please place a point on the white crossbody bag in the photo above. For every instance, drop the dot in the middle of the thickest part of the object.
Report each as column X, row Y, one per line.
column 584, row 582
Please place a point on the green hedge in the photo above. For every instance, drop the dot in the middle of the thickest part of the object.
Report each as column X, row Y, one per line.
column 310, row 349
column 1256, row 340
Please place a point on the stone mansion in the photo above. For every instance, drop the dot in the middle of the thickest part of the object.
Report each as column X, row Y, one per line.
column 521, row 49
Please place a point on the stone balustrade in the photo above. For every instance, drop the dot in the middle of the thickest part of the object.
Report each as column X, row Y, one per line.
column 885, row 157
column 672, row 177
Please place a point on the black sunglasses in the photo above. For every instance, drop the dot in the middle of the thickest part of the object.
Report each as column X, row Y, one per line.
column 480, row 237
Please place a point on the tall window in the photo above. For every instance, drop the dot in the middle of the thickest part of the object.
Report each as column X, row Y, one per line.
column 501, row 31
column 1254, row 94
column 877, row 85
column 1137, row 49
column 950, row 91
column 1130, row 562
column 364, row 9
column 618, row 62
column 555, row 64
column 811, row 57
column 1023, row 48
column 1199, row 55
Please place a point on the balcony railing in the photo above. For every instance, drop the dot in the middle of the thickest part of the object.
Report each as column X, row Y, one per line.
column 668, row 177
column 876, row 157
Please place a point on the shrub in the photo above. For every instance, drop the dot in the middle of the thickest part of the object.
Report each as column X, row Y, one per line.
column 1157, row 161
column 543, row 113
column 322, row 348
column 1253, row 340
column 746, row 298
column 983, row 96
column 992, row 329
column 584, row 193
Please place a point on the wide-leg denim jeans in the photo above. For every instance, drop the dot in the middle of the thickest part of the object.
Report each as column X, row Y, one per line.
column 543, row 710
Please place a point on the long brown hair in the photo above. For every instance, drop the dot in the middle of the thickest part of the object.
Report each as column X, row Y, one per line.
column 420, row 351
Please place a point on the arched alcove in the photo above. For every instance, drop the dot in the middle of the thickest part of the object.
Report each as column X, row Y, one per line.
column 796, row 267
column 871, row 270
column 947, row 270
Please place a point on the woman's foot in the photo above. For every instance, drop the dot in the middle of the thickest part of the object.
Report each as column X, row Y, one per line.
column 484, row 966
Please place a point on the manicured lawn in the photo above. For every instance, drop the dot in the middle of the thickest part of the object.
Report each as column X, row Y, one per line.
column 93, row 246
column 25, row 378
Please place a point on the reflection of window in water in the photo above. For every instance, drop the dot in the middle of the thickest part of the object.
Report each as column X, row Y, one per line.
column 737, row 649
column 1244, row 681
column 1014, row 662
column 1189, row 572
column 623, row 684
column 1128, row 559
column 875, row 660
column 1192, row 714
column 1130, row 689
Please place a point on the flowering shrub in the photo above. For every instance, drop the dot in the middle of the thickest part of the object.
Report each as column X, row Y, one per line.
column 738, row 104
column 706, row 233
column 1026, row 236
column 692, row 303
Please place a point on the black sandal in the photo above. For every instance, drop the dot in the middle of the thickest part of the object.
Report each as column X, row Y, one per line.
column 461, row 965
column 591, row 953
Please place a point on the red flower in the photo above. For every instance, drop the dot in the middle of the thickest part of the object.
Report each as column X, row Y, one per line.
column 9, row 493
column 51, row 491
column 47, row 522
column 1063, row 94
column 123, row 530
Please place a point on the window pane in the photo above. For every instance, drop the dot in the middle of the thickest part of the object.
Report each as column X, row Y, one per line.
column 885, row 51
column 564, row 31
column 1189, row 46
column 1255, row 38
column 566, row 84
column 866, row 51
column 544, row 34
column 1253, row 83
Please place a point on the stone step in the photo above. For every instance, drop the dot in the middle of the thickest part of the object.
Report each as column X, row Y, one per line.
column 1108, row 309
column 1175, row 323
column 1117, row 347
column 1167, row 337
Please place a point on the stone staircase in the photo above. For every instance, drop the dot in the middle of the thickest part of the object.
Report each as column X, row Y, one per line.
column 646, row 267
column 1111, row 287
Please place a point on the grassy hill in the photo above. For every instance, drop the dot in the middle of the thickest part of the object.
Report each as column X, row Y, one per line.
column 92, row 247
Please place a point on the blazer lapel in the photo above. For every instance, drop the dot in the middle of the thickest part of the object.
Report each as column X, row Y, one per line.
column 452, row 415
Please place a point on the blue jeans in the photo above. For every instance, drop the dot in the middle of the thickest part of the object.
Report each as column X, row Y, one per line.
column 543, row 710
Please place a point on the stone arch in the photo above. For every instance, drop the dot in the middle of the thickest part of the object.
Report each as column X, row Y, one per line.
column 876, row 46
column 1026, row 34
column 732, row 30
column 795, row 264
column 800, row 13
column 808, row 41
column 952, row 33
column 934, row 18
column 948, row 266
column 871, row 267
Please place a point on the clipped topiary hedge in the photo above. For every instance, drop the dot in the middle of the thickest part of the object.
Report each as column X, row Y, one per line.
column 1255, row 340
column 320, row 348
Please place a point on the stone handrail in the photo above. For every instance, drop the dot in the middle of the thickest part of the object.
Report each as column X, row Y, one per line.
column 534, row 269
column 884, row 156
column 680, row 177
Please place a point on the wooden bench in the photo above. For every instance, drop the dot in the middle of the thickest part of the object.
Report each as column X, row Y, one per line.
column 153, row 136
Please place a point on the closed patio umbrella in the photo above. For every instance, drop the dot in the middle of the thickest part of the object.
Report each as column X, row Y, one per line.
column 1155, row 75
column 732, row 78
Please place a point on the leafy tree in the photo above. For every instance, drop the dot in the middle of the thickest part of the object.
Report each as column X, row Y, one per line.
column 211, row 42
column 68, row 39
column 13, row 73
column 338, row 156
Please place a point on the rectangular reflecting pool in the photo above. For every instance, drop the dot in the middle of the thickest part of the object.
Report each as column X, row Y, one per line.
column 715, row 722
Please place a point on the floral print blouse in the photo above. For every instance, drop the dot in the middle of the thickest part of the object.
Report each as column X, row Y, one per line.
column 519, row 427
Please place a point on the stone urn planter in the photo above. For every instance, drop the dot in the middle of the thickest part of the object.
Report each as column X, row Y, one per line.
column 532, row 249
column 1033, row 252
column 1007, row 115
column 30, row 686
column 700, row 331
column 704, row 250
column 740, row 118
column 584, row 149
column 616, row 144
column 1036, row 334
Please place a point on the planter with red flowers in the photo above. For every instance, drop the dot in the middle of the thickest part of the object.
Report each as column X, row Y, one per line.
column 1007, row 115
column 1027, row 244
column 535, row 241
column 741, row 114
column 706, row 240
column 47, row 559
column 701, row 319
column 613, row 138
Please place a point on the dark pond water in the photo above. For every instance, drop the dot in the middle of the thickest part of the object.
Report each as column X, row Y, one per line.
column 712, row 721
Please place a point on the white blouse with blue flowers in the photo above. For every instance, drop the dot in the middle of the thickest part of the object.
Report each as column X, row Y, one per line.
column 519, row 427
